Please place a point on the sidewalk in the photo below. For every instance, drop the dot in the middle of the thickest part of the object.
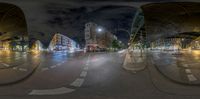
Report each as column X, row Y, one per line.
column 134, row 61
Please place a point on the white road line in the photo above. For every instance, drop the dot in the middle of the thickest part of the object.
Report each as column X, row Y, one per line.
column 56, row 91
column 78, row 82
column 59, row 64
column 15, row 68
column 88, row 59
column 174, row 58
column 185, row 65
column 54, row 66
column 22, row 69
column 5, row 64
column 85, row 68
column 157, row 56
column 83, row 74
column 191, row 77
column 188, row 71
column 44, row 69
column 63, row 62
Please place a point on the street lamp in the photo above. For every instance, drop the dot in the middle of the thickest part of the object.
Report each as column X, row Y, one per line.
column 99, row 29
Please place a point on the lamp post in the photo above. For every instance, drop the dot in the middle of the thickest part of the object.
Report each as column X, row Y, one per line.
column 99, row 29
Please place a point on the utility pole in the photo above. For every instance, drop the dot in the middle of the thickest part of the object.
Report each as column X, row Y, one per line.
column 141, row 43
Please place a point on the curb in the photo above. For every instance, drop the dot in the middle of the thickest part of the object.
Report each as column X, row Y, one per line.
column 132, row 69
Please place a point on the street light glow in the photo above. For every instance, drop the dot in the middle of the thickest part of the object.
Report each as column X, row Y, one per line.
column 99, row 29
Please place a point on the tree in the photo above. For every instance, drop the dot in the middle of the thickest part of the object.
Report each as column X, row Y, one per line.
column 116, row 44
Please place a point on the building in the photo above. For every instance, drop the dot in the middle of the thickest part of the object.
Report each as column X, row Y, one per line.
column 195, row 44
column 17, row 43
column 90, row 36
column 37, row 46
column 97, row 40
column 62, row 43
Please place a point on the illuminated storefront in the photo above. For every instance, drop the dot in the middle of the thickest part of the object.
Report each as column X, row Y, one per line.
column 5, row 45
column 195, row 44
column 37, row 46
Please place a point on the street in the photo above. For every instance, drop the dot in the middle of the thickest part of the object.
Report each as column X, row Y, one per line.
column 90, row 75
column 99, row 49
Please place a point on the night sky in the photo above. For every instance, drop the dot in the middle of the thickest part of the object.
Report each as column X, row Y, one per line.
column 74, row 19
column 68, row 17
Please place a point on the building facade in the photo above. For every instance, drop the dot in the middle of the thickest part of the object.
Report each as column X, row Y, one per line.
column 62, row 43
column 90, row 36
column 97, row 40
column 18, row 44
column 37, row 46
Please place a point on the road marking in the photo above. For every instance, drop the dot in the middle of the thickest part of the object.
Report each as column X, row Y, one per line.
column 15, row 68
column 78, row 82
column 63, row 62
column 5, row 64
column 22, row 69
column 83, row 74
column 44, row 69
column 87, row 62
column 121, row 51
column 54, row 66
column 191, row 77
column 174, row 58
column 59, row 64
column 56, row 91
column 188, row 71
column 85, row 68
column 185, row 65
column 88, row 58
column 157, row 56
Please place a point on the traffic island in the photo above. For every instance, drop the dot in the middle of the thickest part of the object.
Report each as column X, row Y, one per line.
column 134, row 62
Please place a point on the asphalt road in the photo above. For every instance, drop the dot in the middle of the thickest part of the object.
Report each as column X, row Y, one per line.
column 183, row 68
column 90, row 76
